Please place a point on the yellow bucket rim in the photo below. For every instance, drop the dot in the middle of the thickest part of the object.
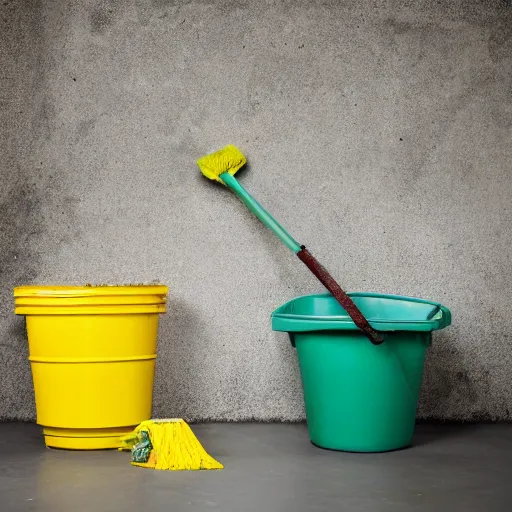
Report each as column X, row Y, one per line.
column 90, row 300
column 90, row 291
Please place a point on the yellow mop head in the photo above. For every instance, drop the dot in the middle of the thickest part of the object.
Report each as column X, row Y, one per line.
column 229, row 159
column 167, row 444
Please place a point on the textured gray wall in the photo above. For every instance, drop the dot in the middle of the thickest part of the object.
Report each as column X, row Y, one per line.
column 379, row 133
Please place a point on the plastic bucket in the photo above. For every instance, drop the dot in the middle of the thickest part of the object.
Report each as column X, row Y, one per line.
column 361, row 397
column 92, row 352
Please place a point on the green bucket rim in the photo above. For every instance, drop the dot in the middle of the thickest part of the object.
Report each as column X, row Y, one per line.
column 438, row 318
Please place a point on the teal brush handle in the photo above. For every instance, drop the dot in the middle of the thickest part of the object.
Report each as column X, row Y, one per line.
column 260, row 212
column 305, row 256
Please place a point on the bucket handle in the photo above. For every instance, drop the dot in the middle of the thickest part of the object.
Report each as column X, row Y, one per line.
column 446, row 317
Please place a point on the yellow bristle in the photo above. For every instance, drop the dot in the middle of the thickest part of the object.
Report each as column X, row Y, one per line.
column 175, row 447
column 229, row 159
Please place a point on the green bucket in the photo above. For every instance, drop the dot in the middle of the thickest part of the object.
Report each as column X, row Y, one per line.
column 361, row 397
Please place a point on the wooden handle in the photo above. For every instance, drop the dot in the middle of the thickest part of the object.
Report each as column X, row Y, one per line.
column 346, row 302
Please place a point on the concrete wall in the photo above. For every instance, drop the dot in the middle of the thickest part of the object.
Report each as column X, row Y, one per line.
column 379, row 133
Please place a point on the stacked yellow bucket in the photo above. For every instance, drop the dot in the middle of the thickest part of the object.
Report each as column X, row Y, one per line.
column 92, row 351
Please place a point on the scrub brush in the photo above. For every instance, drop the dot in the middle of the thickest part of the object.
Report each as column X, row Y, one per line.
column 167, row 444
column 221, row 166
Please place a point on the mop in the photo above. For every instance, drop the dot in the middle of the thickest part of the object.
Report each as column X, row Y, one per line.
column 167, row 444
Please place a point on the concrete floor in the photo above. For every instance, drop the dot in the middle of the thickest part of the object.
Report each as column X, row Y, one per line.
column 269, row 467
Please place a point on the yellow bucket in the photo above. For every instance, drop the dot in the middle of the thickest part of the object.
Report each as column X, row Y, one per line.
column 92, row 352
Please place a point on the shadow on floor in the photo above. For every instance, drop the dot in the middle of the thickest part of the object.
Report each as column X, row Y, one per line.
column 431, row 432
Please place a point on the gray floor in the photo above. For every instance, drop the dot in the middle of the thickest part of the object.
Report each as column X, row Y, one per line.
column 270, row 468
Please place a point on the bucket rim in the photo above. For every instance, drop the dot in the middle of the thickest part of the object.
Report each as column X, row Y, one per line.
column 285, row 321
column 62, row 291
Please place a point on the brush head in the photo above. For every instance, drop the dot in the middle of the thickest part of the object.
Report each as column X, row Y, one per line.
column 228, row 159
